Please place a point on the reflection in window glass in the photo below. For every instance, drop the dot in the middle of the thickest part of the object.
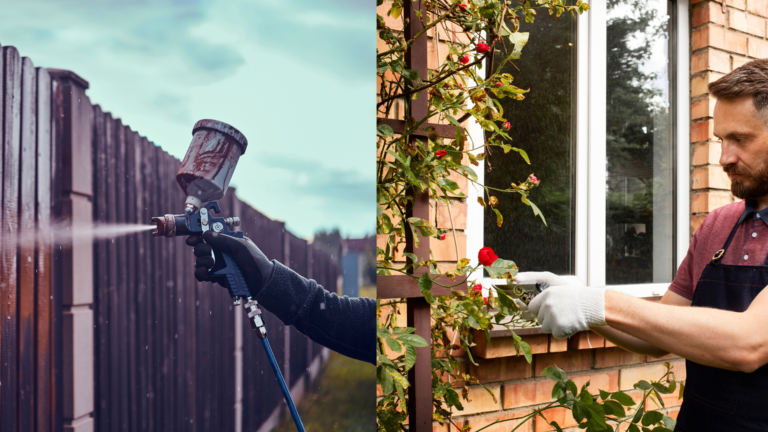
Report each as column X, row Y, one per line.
column 542, row 125
column 639, row 147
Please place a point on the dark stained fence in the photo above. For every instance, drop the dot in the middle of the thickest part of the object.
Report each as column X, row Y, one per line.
column 164, row 345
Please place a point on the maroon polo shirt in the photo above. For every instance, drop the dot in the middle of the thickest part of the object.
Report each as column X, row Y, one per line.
column 749, row 245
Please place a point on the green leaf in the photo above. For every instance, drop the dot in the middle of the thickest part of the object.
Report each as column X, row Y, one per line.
column 652, row 417
column 523, row 154
column 552, row 373
column 425, row 286
column 661, row 388
column 412, row 340
column 387, row 382
column 556, row 426
column 604, row 394
column 452, row 398
column 558, row 391
column 622, row 398
column 519, row 39
column 536, row 210
column 616, row 408
column 596, row 414
column 638, row 415
column 395, row 11
column 448, row 184
column 410, row 357
column 505, row 300
column 669, row 422
column 579, row 412
column 393, row 344
column 526, row 351
column 633, row 428
column 385, row 130
column 643, row 385
column 499, row 217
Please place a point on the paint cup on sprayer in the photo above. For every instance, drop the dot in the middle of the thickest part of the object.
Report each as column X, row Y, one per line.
column 210, row 161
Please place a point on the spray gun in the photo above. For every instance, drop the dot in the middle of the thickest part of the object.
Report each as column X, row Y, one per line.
column 204, row 177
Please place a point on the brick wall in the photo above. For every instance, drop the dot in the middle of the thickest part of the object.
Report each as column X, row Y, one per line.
column 520, row 388
column 723, row 38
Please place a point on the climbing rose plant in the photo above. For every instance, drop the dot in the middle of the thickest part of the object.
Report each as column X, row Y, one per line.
column 465, row 86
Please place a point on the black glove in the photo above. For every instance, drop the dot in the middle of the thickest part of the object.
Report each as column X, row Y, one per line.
column 255, row 266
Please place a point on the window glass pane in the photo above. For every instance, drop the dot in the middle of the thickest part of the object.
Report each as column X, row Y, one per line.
column 543, row 126
column 640, row 145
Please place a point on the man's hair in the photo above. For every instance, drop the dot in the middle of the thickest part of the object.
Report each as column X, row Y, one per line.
column 750, row 79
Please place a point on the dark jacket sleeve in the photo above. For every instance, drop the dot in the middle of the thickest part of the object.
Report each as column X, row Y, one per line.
column 345, row 325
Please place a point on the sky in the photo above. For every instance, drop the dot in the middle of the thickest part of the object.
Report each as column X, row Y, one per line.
column 294, row 76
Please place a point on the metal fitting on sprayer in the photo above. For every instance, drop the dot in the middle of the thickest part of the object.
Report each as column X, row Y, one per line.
column 254, row 317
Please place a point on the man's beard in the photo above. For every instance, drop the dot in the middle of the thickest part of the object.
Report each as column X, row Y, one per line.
column 751, row 185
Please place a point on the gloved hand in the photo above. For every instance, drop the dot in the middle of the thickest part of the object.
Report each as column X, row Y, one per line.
column 524, row 278
column 566, row 310
column 255, row 266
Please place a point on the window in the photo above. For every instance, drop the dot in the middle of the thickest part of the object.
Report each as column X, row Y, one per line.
column 601, row 128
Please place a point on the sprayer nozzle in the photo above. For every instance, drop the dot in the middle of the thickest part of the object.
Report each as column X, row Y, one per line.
column 166, row 226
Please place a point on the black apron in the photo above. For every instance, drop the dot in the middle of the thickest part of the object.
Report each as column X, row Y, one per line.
column 718, row 399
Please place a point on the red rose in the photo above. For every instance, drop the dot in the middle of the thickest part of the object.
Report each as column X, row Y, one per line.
column 534, row 180
column 506, row 125
column 486, row 256
column 441, row 154
column 464, row 59
column 460, row 85
column 481, row 48
column 477, row 287
column 463, row 7
column 456, row 347
column 499, row 84
column 485, row 300
column 442, row 236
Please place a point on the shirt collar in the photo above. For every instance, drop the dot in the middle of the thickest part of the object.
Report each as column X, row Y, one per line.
column 749, row 208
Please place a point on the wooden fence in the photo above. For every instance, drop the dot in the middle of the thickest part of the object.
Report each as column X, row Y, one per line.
column 116, row 334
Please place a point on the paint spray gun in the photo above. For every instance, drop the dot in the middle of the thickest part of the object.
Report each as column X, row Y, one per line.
column 204, row 177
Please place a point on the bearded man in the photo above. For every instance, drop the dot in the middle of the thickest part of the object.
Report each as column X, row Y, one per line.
column 715, row 313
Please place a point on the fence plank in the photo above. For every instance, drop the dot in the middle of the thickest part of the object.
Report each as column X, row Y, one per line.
column 10, row 227
column 120, row 286
column 132, row 276
column 26, row 365
column 43, row 256
column 149, row 176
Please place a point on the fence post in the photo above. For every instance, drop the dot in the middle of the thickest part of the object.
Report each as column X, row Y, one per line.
column 287, row 330
column 73, row 126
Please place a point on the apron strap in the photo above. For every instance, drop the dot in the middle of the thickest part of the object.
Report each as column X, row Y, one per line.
column 719, row 254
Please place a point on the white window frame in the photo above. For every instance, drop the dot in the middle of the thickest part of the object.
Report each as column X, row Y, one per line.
column 590, row 203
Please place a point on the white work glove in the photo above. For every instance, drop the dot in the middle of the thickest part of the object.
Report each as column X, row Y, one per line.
column 546, row 278
column 524, row 278
column 566, row 310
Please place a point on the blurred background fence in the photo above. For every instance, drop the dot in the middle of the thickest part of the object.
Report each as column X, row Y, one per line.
column 115, row 334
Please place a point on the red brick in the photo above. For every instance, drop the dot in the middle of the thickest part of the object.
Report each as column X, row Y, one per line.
column 505, row 346
column 608, row 381
column 703, row 131
column 759, row 7
column 673, row 413
column 706, row 154
column 700, row 82
column 570, row 361
column 706, row 202
column 737, row 62
column 649, row 372
column 703, row 108
column 529, row 392
column 481, row 421
column 480, row 401
column 445, row 250
column 611, row 357
column 710, row 177
column 443, row 216
column 501, row 369
column 557, row 345
column 563, row 417
column 718, row 37
column 757, row 48
column 711, row 60
column 708, row 12
column 585, row 340
column 696, row 221
column 756, row 25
